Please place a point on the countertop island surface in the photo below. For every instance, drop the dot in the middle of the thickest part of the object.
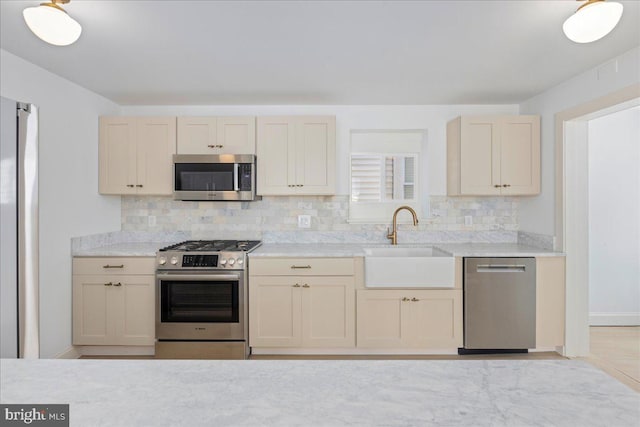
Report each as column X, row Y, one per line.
column 149, row 249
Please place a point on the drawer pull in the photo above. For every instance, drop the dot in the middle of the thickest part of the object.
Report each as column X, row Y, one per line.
column 108, row 284
column 113, row 266
column 296, row 285
column 414, row 299
column 306, row 286
column 296, row 267
column 405, row 299
column 117, row 284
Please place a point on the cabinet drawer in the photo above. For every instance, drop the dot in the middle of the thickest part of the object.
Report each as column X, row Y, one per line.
column 114, row 265
column 301, row 267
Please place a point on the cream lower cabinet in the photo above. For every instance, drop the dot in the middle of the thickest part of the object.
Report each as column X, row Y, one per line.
column 550, row 301
column 113, row 301
column 417, row 319
column 302, row 302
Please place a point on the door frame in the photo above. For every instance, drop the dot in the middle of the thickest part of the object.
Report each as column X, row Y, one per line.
column 571, row 206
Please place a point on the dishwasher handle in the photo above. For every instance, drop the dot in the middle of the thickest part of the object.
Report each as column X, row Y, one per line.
column 498, row 268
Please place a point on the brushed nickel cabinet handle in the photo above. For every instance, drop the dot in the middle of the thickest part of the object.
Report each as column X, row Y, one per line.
column 306, row 286
column 113, row 266
column 108, row 284
column 414, row 299
column 296, row 285
column 294, row 267
column 117, row 284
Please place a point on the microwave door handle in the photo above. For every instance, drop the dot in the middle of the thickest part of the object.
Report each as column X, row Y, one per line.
column 236, row 185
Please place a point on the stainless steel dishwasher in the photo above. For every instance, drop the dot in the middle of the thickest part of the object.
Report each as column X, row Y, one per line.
column 499, row 305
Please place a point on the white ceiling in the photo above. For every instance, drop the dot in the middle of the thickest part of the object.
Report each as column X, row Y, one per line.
column 321, row 52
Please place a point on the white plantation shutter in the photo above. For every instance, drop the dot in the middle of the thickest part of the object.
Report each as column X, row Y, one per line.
column 366, row 176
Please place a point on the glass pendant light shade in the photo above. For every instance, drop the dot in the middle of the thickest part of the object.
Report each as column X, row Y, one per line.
column 52, row 24
column 592, row 21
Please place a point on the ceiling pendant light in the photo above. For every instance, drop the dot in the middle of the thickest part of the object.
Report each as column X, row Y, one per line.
column 52, row 24
column 592, row 21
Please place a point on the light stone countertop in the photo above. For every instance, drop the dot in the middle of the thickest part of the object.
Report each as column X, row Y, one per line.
column 142, row 249
column 343, row 392
column 275, row 250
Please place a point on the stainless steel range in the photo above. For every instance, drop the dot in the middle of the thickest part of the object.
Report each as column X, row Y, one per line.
column 201, row 299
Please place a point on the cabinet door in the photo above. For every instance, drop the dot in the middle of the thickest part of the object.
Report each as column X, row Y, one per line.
column 91, row 324
column 315, row 160
column 117, row 155
column 550, row 301
column 133, row 310
column 275, row 311
column 480, row 156
column 433, row 319
column 380, row 318
column 276, row 156
column 328, row 311
column 198, row 135
column 237, row 135
column 520, row 155
column 156, row 147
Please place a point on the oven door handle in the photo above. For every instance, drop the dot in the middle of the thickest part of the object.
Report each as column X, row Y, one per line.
column 198, row 277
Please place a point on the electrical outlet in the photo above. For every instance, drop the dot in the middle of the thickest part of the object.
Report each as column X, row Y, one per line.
column 468, row 221
column 151, row 220
column 304, row 221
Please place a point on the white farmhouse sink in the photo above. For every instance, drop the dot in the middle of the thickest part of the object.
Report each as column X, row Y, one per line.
column 399, row 267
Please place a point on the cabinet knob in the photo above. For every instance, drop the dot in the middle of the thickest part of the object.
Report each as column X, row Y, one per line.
column 117, row 284
column 306, row 286
column 414, row 299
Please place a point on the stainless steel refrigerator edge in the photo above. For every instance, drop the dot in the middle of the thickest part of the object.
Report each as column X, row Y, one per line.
column 19, row 276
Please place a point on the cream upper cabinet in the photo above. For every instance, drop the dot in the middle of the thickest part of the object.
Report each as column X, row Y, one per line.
column 113, row 301
column 296, row 155
column 419, row 319
column 135, row 155
column 493, row 155
column 302, row 302
column 216, row 135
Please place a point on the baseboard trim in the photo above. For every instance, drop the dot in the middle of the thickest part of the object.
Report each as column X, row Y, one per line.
column 348, row 351
column 116, row 350
column 614, row 319
column 70, row 353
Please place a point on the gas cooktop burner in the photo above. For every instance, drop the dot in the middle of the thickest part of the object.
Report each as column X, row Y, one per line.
column 213, row 246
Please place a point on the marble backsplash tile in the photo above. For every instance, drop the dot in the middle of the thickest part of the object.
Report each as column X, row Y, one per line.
column 495, row 219
column 542, row 241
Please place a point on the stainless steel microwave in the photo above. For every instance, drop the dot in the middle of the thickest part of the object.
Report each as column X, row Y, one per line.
column 214, row 177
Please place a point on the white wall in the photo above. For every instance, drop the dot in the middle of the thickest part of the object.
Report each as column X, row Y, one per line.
column 69, row 201
column 537, row 214
column 433, row 118
column 614, row 218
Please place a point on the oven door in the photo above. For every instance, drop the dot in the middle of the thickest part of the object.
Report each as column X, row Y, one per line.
column 200, row 306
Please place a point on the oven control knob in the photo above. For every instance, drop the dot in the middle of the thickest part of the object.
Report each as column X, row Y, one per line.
column 162, row 261
column 223, row 261
column 174, row 260
column 240, row 261
column 232, row 261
